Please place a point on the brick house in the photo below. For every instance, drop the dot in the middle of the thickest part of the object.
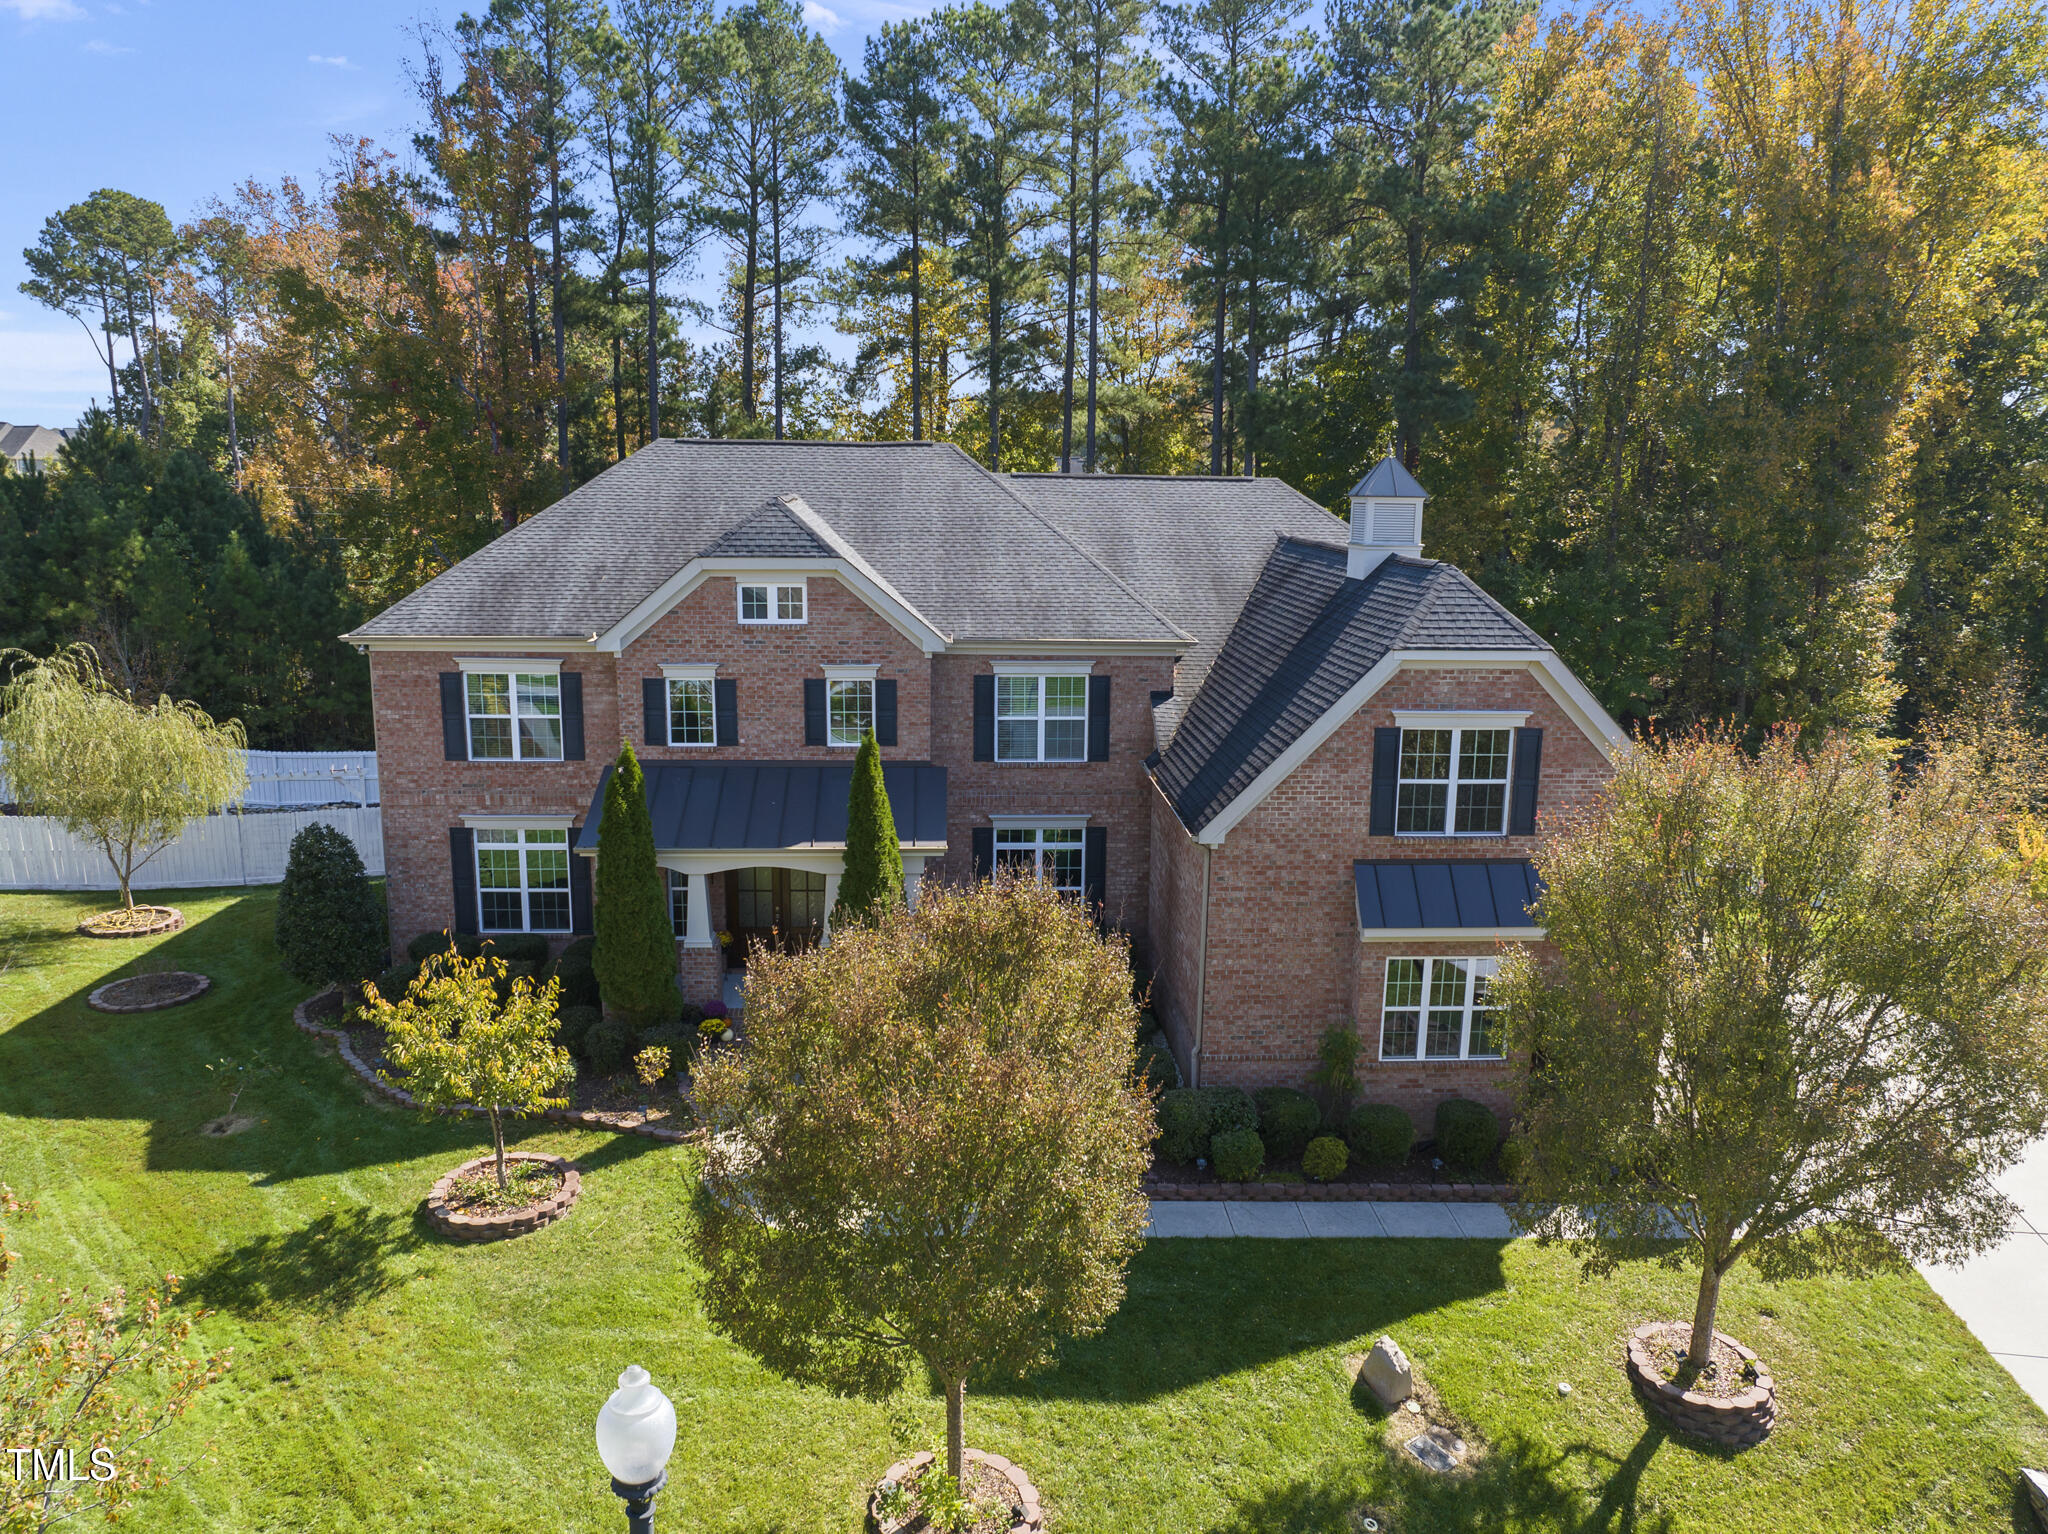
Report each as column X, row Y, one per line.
column 1299, row 763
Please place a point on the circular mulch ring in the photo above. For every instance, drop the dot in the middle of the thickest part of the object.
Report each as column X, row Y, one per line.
column 149, row 993
column 1736, row 1421
column 143, row 921
column 995, row 1475
column 445, row 1214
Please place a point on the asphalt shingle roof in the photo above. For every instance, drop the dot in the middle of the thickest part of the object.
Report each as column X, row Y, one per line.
column 1305, row 636
column 772, row 531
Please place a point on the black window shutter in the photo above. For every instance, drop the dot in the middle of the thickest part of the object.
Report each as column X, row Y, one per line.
column 654, row 696
column 725, row 712
column 462, row 864
column 814, row 711
column 572, row 716
column 984, row 851
column 1095, row 869
column 1098, row 719
column 579, row 891
column 985, row 718
column 454, row 718
column 885, row 712
column 1386, row 775
column 1528, row 768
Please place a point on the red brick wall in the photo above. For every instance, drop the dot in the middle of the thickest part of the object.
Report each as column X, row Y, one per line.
column 1419, row 1085
column 1178, row 866
column 1113, row 794
column 1283, row 948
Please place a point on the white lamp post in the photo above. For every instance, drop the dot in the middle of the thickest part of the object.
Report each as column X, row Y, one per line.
column 636, row 1433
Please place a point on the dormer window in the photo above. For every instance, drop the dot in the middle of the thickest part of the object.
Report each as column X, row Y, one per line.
column 772, row 603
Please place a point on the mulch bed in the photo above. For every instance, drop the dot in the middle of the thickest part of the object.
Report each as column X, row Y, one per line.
column 1419, row 1170
column 142, row 921
column 1733, row 1401
column 148, row 993
column 466, row 1206
column 1002, row 1488
column 1727, row 1373
column 528, row 1183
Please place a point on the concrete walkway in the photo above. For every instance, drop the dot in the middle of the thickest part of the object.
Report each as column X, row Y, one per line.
column 2002, row 1296
column 1178, row 1217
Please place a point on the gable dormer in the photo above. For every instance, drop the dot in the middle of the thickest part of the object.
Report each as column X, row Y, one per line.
column 1386, row 518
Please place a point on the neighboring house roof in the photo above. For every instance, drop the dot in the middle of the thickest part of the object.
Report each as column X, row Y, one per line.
column 1388, row 478
column 1192, row 547
column 963, row 549
column 1459, row 894
column 1306, row 635
column 715, row 806
column 17, row 442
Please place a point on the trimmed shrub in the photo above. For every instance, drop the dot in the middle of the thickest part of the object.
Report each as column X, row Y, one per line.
column 1380, row 1134
column 1230, row 1108
column 427, row 944
column 1237, row 1154
column 1514, row 1158
column 873, row 878
column 1288, row 1120
column 1184, row 1125
column 610, row 1044
column 396, row 981
column 1156, row 1067
column 330, row 918
column 1325, row 1158
column 519, row 948
column 681, row 1040
column 1467, row 1133
column 573, row 1025
column 577, row 975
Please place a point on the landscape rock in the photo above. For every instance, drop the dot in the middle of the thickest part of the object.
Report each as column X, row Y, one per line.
column 1386, row 1373
column 2036, row 1483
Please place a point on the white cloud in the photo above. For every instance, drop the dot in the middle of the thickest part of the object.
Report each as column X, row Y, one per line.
column 101, row 46
column 333, row 61
column 43, row 10
column 820, row 18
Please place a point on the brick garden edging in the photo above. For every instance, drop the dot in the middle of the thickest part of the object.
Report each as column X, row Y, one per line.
column 1735, row 1422
column 405, row 1099
column 1022, row 1493
column 462, row 1226
column 1335, row 1192
column 98, row 1002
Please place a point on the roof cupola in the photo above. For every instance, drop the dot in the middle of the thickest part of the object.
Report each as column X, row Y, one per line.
column 1386, row 517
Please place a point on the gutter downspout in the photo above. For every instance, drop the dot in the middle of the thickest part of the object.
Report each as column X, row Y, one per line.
column 1202, row 965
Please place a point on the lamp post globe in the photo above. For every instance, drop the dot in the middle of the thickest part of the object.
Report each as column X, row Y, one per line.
column 636, row 1433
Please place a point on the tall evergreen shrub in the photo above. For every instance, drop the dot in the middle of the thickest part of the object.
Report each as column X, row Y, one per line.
column 330, row 918
column 873, row 880
column 635, row 956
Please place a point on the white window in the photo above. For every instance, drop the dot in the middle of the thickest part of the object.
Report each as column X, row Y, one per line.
column 1041, row 718
column 1438, row 1009
column 1453, row 782
column 1051, row 853
column 514, row 716
column 690, row 718
column 679, row 902
column 849, row 710
column 768, row 603
column 522, row 879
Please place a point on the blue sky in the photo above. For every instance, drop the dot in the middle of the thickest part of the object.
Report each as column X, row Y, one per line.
column 181, row 101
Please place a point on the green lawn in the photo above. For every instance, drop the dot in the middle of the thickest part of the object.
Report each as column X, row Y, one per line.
column 384, row 1380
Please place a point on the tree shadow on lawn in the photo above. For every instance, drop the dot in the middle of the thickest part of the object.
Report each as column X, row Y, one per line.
column 1196, row 1310
column 337, row 1262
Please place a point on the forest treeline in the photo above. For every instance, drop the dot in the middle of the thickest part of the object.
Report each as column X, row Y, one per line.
column 1717, row 334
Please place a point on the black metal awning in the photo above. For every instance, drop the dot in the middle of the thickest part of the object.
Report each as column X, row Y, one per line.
column 720, row 806
column 1397, row 895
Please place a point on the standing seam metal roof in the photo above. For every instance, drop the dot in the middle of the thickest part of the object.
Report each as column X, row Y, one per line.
column 718, row 806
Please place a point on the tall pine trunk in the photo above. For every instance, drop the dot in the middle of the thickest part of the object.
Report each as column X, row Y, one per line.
column 753, row 276
column 653, row 323
column 775, row 285
column 1222, row 299
column 1073, row 284
column 916, row 333
column 1094, row 254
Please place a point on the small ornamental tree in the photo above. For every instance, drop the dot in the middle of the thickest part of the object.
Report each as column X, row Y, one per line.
column 330, row 918
column 873, row 880
column 1797, row 1005
column 635, row 954
column 930, row 1149
column 127, row 776
column 452, row 1041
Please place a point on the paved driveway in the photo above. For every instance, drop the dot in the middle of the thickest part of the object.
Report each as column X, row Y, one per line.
column 2002, row 1296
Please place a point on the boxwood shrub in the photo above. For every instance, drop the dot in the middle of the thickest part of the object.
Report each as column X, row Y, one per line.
column 1380, row 1134
column 1183, row 1125
column 427, row 944
column 573, row 968
column 1324, row 1157
column 1288, row 1120
column 1237, row 1154
column 519, row 948
column 573, row 1025
column 396, row 981
column 610, row 1044
column 329, row 917
column 1230, row 1109
column 1467, row 1133
column 1155, row 1066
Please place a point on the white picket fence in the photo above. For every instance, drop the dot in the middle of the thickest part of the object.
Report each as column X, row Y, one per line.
column 37, row 853
column 294, row 780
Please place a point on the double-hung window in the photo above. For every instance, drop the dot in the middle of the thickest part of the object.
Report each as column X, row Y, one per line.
column 1453, row 781
column 692, row 716
column 522, row 879
column 1041, row 718
column 767, row 602
column 849, row 704
column 1439, row 1009
column 514, row 716
column 1051, row 853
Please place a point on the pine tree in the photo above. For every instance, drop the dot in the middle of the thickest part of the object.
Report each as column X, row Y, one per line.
column 636, row 945
column 873, row 881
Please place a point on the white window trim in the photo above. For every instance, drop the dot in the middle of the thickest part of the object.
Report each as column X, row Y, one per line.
column 862, row 677
column 852, row 672
column 507, row 665
column 511, row 670
column 1040, row 822
column 1449, row 831
column 518, row 822
column 689, row 671
column 1041, row 674
column 521, row 824
column 679, row 671
column 1428, row 962
column 1046, row 667
column 774, row 588
column 1039, row 825
column 1447, row 719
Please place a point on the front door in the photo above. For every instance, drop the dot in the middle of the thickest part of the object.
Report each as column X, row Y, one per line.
column 782, row 907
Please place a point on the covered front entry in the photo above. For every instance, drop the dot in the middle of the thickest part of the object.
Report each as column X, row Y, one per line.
column 781, row 907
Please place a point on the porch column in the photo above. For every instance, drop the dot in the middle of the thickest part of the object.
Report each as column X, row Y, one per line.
column 699, row 923
column 831, row 900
